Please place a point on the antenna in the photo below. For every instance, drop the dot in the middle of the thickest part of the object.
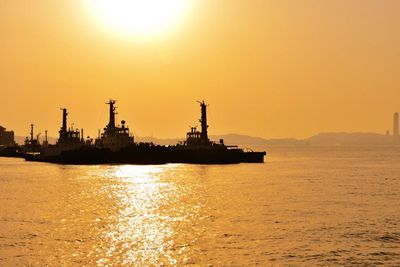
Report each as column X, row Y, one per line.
column 31, row 132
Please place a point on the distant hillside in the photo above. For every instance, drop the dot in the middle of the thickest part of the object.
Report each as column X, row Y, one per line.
column 231, row 139
column 322, row 139
column 246, row 140
column 350, row 139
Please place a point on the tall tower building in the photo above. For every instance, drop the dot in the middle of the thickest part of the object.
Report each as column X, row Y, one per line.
column 396, row 125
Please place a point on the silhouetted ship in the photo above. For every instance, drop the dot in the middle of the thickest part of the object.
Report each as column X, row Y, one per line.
column 12, row 149
column 31, row 145
column 10, row 152
column 116, row 145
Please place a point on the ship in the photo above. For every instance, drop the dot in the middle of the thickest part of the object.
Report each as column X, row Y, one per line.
column 10, row 152
column 31, row 146
column 116, row 145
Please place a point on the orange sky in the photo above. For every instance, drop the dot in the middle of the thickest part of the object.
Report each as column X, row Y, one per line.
column 268, row 68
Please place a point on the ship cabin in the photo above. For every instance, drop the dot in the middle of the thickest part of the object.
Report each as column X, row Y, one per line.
column 69, row 139
column 195, row 138
column 70, row 135
column 114, row 137
column 193, row 134
column 31, row 144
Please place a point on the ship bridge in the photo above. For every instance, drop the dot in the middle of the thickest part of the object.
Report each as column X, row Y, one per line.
column 200, row 138
column 114, row 137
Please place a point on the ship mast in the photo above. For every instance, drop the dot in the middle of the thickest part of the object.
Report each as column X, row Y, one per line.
column 203, row 121
column 111, row 123
column 31, row 133
column 63, row 130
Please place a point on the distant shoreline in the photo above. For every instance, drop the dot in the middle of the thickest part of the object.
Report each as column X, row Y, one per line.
column 333, row 139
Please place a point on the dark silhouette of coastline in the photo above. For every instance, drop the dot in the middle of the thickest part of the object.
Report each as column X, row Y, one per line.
column 9, row 148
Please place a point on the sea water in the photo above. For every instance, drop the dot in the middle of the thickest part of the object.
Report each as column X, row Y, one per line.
column 304, row 207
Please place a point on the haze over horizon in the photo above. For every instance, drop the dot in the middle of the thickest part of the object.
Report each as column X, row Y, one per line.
column 267, row 68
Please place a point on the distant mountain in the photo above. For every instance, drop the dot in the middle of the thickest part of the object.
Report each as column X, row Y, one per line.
column 231, row 139
column 246, row 140
column 322, row 139
column 350, row 139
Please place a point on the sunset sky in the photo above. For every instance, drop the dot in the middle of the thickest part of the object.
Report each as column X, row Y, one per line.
column 267, row 68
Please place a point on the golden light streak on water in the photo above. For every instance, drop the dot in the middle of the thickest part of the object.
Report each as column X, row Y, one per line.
column 141, row 221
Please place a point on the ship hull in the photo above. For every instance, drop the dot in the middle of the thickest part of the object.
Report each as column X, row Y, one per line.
column 11, row 152
column 151, row 155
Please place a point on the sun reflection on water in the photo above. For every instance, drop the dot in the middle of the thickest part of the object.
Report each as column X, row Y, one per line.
column 142, row 230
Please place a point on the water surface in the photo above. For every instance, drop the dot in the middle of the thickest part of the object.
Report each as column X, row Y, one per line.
column 304, row 206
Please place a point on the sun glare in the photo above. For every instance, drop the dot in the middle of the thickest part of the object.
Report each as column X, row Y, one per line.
column 143, row 18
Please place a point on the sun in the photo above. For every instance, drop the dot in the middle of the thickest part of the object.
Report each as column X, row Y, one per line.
column 143, row 18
